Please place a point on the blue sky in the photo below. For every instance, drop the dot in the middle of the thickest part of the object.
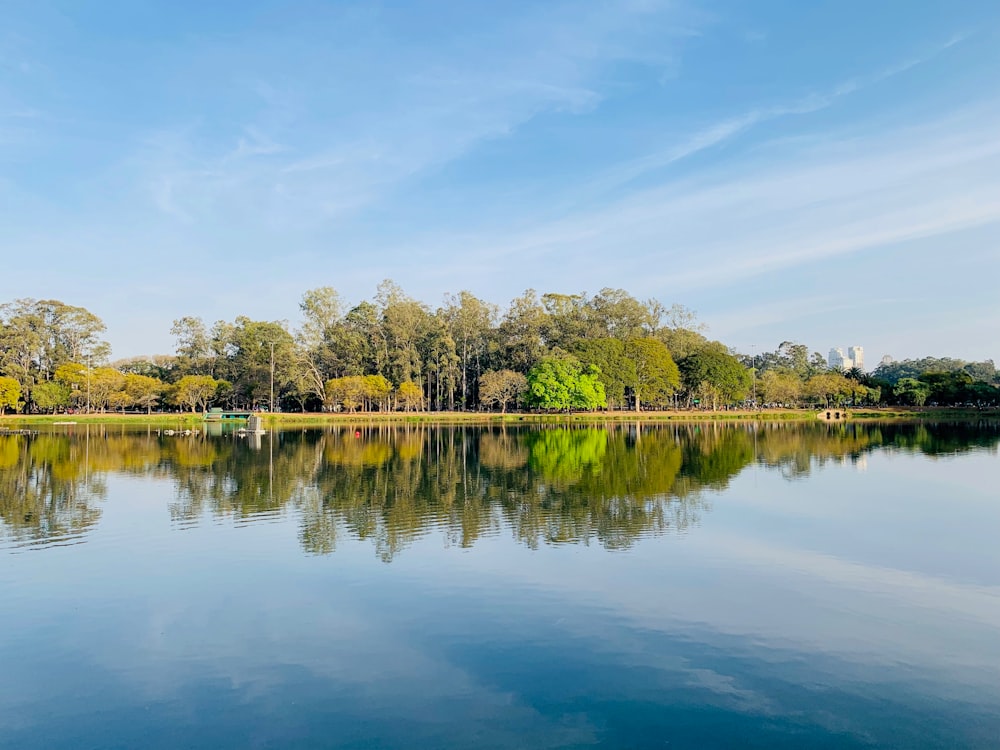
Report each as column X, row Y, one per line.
column 821, row 172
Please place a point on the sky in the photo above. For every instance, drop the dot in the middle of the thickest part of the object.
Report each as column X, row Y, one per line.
column 822, row 172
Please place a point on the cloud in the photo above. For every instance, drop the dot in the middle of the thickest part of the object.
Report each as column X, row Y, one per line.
column 725, row 130
column 839, row 197
column 333, row 147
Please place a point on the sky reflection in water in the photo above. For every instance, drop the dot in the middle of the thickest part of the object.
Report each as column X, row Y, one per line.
column 697, row 585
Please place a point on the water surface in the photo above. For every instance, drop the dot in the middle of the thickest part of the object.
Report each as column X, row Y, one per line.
column 771, row 586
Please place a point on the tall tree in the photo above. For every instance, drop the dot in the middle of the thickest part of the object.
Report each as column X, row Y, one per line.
column 522, row 330
column 651, row 371
column 194, row 352
column 712, row 370
column 470, row 322
column 617, row 314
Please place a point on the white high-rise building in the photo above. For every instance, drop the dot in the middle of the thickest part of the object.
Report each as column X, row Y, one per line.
column 857, row 356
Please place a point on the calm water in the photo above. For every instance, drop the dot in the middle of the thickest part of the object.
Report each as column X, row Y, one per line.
column 712, row 586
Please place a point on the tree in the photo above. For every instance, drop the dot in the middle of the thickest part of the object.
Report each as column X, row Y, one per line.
column 143, row 390
column 714, row 371
column 104, row 383
column 410, row 396
column 608, row 356
column 10, row 393
column 833, row 388
column 195, row 391
column 254, row 355
column 37, row 336
column 911, row 391
column 316, row 343
column 567, row 320
column 403, row 321
column 651, row 371
column 682, row 334
column 377, row 390
column 562, row 384
column 521, row 332
column 51, row 395
column 470, row 322
column 194, row 351
column 778, row 387
column 501, row 387
column 619, row 315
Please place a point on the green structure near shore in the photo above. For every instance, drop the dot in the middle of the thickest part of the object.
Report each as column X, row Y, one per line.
column 220, row 415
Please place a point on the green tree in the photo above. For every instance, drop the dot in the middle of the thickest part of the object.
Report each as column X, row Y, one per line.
column 778, row 387
column 144, row 391
column 521, row 332
column 911, row 391
column 562, row 384
column 713, row 371
column 617, row 314
column 195, row 391
column 682, row 334
column 833, row 388
column 10, row 393
column 104, row 383
column 651, row 371
column 410, row 396
column 470, row 323
column 608, row 356
column 404, row 321
column 194, row 350
column 51, row 396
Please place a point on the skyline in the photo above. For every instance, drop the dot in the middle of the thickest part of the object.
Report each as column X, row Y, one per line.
column 790, row 173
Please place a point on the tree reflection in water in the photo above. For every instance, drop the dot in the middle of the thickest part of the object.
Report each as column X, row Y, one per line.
column 608, row 484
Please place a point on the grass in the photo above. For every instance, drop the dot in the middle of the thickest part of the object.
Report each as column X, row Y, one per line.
column 287, row 419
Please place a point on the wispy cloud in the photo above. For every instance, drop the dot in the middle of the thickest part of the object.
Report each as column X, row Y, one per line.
column 727, row 129
column 437, row 105
column 842, row 196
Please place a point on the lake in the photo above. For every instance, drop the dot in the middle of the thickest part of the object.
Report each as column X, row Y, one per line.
column 625, row 585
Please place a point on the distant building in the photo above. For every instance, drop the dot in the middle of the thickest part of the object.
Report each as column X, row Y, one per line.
column 855, row 357
column 837, row 359
column 887, row 359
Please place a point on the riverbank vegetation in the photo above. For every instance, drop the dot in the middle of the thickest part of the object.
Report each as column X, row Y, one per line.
column 554, row 353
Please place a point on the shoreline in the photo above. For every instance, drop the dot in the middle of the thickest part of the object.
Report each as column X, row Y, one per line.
column 315, row 419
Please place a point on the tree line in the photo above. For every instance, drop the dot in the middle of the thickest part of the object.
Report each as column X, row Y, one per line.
column 549, row 352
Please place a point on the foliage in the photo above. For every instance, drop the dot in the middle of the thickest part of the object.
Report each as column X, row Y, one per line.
column 911, row 391
column 410, row 396
column 563, row 384
column 365, row 392
column 51, row 396
column 778, row 387
column 644, row 354
column 714, row 375
column 10, row 393
column 834, row 389
column 143, row 390
column 195, row 391
column 893, row 372
column 501, row 388
column 651, row 371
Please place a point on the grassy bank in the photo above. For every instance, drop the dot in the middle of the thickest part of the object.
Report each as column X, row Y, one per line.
column 285, row 419
column 170, row 420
